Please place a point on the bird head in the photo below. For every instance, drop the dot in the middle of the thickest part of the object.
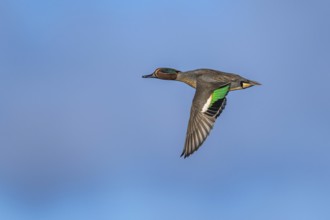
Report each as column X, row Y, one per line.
column 163, row 73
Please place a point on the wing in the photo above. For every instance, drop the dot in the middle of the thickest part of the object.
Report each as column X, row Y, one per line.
column 206, row 108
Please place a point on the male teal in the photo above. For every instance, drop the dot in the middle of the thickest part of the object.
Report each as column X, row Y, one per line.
column 212, row 87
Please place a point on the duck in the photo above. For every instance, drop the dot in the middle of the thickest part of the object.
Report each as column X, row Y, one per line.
column 212, row 87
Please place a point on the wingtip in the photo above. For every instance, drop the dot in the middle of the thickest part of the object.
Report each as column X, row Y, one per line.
column 184, row 155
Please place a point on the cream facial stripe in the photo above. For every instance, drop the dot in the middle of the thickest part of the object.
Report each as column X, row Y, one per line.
column 156, row 71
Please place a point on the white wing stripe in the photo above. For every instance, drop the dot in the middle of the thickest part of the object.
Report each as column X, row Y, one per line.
column 207, row 104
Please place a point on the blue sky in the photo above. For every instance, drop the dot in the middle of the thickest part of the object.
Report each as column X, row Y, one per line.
column 83, row 136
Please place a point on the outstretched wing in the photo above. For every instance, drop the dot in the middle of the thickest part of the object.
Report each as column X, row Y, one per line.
column 206, row 108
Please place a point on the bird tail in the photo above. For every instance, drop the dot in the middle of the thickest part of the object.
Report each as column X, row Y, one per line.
column 248, row 83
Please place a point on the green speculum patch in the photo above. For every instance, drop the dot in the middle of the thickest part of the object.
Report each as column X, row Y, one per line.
column 219, row 94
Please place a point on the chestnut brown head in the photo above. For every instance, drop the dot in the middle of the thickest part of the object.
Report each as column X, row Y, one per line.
column 164, row 73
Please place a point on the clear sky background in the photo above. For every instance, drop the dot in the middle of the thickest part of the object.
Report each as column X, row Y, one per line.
column 83, row 136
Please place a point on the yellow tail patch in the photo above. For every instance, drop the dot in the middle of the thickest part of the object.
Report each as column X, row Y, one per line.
column 246, row 85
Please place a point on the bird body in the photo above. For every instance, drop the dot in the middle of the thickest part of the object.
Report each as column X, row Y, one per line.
column 214, row 77
column 211, row 86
